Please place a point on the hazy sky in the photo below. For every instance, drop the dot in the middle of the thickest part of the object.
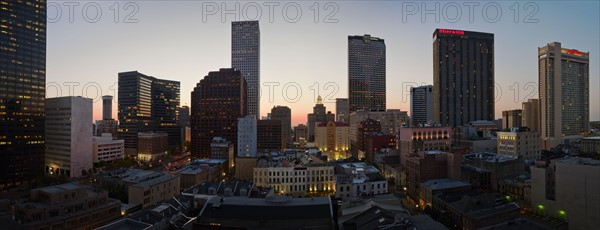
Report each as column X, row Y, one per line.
column 184, row 40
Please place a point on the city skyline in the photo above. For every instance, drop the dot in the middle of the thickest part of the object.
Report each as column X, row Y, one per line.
column 309, row 58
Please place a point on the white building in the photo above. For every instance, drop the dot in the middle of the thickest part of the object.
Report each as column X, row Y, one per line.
column 521, row 143
column 421, row 105
column 68, row 136
column 294, row 178
column 247, row 136
column 568, row 189
column 359, row 179
column 104, row 148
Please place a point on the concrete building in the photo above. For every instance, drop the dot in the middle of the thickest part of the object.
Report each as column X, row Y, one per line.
column 218, row 100
column 531, row 114
column 520, row 142
column 272, row 212
column 421, row 105
column 301, row 133
column 416, row 139
column 316, row 117
column 295, row 178
column 107, row 126
column 244, row 167
column 342, row 110
column 332, row 136
column 107, row 101
column 359, row 179
column 105, row 148
column 192, row 175
column 152, row 145
column 23, row 91
column 245, row 57
column 568, row 189
column 499, row 166
column 223, row 149
column 66, row 206
column 512, row 118
column 143, row 187
column 564, row 78
column 68, row 136
column 366, row 73
column 454, row 54
column 247, row 137
column 424, row 166
column 390, row 120
column 430, row 188
column 591, row 145
column 268, row 136
column 283, row 114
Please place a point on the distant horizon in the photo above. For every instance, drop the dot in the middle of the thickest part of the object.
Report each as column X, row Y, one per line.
column 178, row 43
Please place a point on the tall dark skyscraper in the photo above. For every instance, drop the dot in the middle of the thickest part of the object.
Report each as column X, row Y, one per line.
column 283, row 114
column 147, row 104
column 245, row 56
column 218, row 101
column 107, row 107
column 366, row 73
column 22, row 91
column 421, row 105
column 463, row 77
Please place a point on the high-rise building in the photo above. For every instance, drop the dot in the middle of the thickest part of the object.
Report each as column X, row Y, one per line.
column 342, row 110
column 268, row 136
column 147, row 104
column 520, row 142
column 319, row 115
column 247, row 137
column 184, row 116
column 245, row 56
column 283, row 114
column 564, row 78
column 512, row 118
column 366, row 73
column 463, row 77
column 22, row 91
column 421, row 105
column 218, row 101
column 531, row 114
column 300, row 133
column 107, row 107
column 68, row 136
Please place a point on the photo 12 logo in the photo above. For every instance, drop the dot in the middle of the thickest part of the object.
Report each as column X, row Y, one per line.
column 291, row 12
column 453, row 12
column 92, row 12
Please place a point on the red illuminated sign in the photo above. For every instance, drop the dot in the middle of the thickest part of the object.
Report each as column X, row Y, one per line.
column 453, row 32
column 575, row 52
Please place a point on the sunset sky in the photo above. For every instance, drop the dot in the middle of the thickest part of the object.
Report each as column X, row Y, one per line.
column 175, row 40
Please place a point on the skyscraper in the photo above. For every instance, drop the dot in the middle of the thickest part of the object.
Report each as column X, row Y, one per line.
column 247, row 137
column 421, row 105
column 245, row 56
column 283, row 114
column 22, row 91
column 218, row 101
column 564, row 77
column 107, row 107
column 512, row 118
column 531, row 114
column 147, row 104
column 463, row 77
column 68, row 136
column 342, row 111
column 366, row 73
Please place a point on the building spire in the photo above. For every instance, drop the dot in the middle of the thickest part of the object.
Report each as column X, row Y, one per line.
column 319, row 100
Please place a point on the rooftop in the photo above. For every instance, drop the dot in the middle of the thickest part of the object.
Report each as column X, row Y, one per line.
column 490, row 157
column 438, row 184
column 579, row 161
column 126, row 224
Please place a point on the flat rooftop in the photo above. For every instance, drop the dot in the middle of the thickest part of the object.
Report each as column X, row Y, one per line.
column 490, row 157
column 126, row 224
column 437, row 184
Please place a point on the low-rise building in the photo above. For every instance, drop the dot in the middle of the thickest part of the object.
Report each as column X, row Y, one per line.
column 416, row 139
column 332, row 136
column 192, row 175
column 431, row 187
column 66, row 206
column 424, row 166
column 223, row 149
column 359, row 179
column 520, row 142
column 499, row 166
column 143, row 187
column 105, row 148
column 591, row 145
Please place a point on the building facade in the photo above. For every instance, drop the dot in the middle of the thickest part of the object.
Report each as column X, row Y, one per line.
column 366, row 73
column 512, row 119
column 564, row 77
column 283, row 114
column 247, row 137
column 421, row 105
column 520, row 142
column 318, row 115
column 105, row 148
column 332, row 136
column 268, row 136
column 23, row 77
column 245, row 56
column 300, row 133
column 218, row 101
column 342, row 110
column 531, row 114
column 68, row 136
column 463, row 77
column 152, row 145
